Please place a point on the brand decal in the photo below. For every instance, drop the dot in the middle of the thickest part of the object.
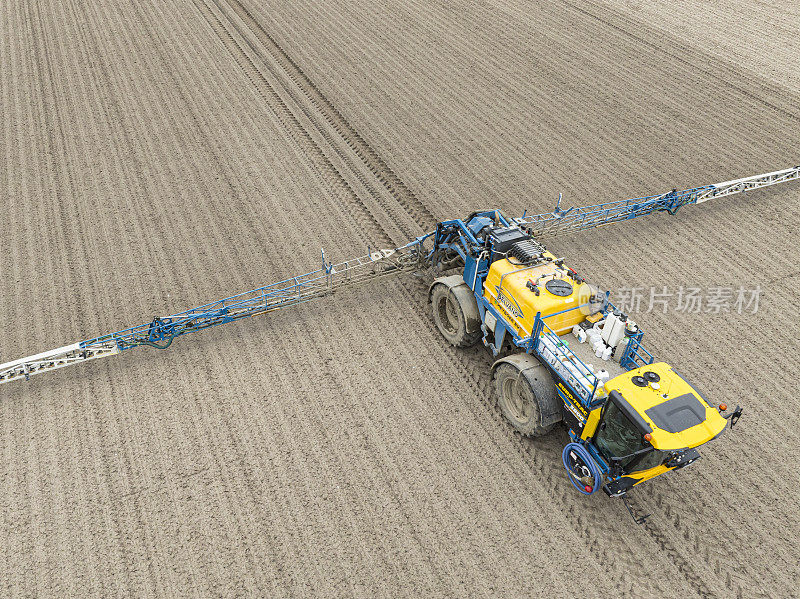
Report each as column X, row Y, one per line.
column 508, row 303
column 572, row 405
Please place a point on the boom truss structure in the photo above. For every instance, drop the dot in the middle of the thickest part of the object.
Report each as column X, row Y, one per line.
column 161, row 331
column 577, row 219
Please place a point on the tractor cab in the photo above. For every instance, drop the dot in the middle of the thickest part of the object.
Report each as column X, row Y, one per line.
column 651, row 423
column 622, row 443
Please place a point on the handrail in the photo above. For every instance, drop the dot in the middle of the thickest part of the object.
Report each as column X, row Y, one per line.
column 562, row 348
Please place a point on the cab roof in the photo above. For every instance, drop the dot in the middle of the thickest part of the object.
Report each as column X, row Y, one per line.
column 660, row 402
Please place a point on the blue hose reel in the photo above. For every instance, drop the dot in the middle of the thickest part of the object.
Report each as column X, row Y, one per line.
column 583, row 471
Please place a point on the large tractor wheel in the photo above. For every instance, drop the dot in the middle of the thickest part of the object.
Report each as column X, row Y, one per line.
column 526, row 395
column 455, row 312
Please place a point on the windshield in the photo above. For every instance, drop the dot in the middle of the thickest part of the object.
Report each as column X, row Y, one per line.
column 618, row 437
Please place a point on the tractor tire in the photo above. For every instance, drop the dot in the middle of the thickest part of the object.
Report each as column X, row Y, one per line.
column 450, row 308
column 527, row 397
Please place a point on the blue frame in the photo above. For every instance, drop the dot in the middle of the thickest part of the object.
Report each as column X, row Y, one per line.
column 588, row 217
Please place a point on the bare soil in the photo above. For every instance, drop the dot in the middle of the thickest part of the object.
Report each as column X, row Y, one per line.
column 159, row 155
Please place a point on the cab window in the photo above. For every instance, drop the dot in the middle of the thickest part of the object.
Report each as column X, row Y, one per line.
column 618, row 437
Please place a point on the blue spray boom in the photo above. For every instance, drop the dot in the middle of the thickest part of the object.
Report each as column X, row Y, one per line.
column 161, row 331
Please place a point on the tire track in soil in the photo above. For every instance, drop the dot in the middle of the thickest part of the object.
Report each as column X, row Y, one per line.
column 478, row 362
column 665, row 543
column 661, row 541
column 324, row 132
column 323, row 107
column 330, row 175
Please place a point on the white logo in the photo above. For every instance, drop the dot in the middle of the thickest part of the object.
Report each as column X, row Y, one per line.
column 509, row 304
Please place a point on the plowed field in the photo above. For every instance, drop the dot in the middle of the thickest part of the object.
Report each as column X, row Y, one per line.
column 156, row 156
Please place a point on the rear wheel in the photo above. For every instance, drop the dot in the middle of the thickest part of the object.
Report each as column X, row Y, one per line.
column 524, row 397
column 450, row 305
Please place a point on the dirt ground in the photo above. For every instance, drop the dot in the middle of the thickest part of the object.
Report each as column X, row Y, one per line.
column 750, row 35
column 160, row 155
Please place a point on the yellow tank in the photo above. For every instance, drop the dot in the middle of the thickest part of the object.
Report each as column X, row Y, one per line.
column 506, row 288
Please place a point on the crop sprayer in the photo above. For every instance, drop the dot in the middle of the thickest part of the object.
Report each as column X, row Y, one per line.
column 629, row 420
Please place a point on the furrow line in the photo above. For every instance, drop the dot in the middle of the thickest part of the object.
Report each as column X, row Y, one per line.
column 317, row 160
column 339, row 149
column 415, row 207
column 616, row 20
column 479, row 384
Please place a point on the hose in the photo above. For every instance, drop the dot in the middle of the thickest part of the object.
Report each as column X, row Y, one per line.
column 585, row 457
column 156, row 345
